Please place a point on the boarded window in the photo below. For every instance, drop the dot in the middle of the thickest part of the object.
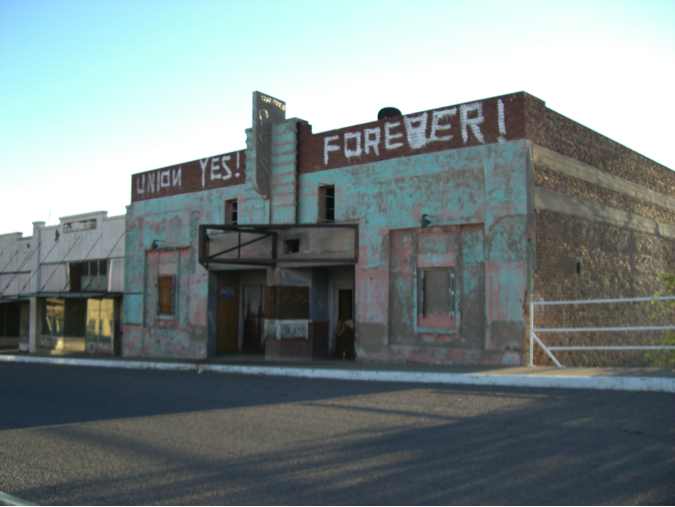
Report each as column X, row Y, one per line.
column 327, row 203
column 165, row 286
column 436, row 296
column 231, row 212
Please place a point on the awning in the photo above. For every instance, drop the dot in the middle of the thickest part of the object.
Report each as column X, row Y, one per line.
column 274, row 244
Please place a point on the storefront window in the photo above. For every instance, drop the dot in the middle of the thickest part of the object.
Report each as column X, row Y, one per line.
column 100, row 320
column 53, row 311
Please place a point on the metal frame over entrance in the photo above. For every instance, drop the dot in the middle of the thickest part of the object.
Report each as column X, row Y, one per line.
column 266, row 231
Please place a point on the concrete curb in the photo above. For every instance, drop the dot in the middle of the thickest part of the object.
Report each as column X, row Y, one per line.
column 618, row 383
column 660, row 384
column 103, row 363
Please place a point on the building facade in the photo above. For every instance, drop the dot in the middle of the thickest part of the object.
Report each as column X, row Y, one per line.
column 414, row 238
column 61, row 288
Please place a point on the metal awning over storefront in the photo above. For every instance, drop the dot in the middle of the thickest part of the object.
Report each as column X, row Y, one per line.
column 67, row 295
column 13, row 299
column 62, row 295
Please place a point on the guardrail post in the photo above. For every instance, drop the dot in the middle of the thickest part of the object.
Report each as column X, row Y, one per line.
column 531, row 365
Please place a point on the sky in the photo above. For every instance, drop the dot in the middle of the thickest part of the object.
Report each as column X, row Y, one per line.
column 94, row 91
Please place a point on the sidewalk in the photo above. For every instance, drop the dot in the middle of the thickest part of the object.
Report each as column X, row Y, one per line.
column 624, row 379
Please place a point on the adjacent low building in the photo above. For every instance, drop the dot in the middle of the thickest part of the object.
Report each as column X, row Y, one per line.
column 413, row 238
column 61, row 288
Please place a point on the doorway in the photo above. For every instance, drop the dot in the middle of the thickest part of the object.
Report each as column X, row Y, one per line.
column 342, row 321
column 227, row 341
column 253, row 314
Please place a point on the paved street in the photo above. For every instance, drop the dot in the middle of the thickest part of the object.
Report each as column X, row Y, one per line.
column 79, row 435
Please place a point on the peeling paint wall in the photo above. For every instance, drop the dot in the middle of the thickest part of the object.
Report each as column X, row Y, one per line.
column 162, row 232
column 480, row 193
column 162, row 241
column 461, row 172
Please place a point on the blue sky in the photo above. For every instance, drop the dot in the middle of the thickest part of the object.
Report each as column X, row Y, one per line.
column 94, row 91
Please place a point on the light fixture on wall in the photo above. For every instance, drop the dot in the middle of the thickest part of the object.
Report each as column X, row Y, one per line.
column 425, row 220
column 155, row 244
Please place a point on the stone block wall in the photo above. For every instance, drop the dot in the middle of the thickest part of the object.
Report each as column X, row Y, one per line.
column 584, row 259
column 604, row 228
column 548, row 128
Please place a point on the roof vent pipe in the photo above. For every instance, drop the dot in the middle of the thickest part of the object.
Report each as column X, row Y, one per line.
column 388, row 112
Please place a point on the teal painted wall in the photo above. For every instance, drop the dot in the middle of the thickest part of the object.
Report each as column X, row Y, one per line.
column 482, row 189
column 479, row 191
column 174, row 223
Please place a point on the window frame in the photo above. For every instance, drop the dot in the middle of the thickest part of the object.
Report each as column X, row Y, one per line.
column 452, row 325
column 423, row 289
column 232, row 211
column 97, row 272
column 326, row 213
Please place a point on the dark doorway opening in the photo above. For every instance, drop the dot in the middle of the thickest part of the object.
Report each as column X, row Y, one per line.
column 253, row 310
column 344, row 330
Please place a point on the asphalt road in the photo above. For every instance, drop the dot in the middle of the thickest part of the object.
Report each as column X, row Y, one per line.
column 76, row 435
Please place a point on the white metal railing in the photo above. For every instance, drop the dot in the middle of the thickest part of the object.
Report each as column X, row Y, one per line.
column 534, row 337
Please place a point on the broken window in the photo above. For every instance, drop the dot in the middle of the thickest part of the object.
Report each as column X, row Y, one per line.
column 165, row 285
column 74, row 317
column 89, row 276
column 53, row 310
column 291, row 246
column 327, row 203
column 75, row 275
column 81, row 225
column 232, row 212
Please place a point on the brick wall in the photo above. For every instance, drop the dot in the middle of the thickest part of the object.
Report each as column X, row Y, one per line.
column 220, row 171
column 498, row 119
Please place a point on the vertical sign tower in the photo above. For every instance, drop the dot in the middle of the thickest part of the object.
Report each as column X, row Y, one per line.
column 267, row 111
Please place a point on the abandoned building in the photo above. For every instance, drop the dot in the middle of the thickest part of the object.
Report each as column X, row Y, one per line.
column 413, row 238
column 61, row 288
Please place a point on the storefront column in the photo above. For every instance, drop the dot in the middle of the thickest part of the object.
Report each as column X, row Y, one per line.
column 33, row 325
